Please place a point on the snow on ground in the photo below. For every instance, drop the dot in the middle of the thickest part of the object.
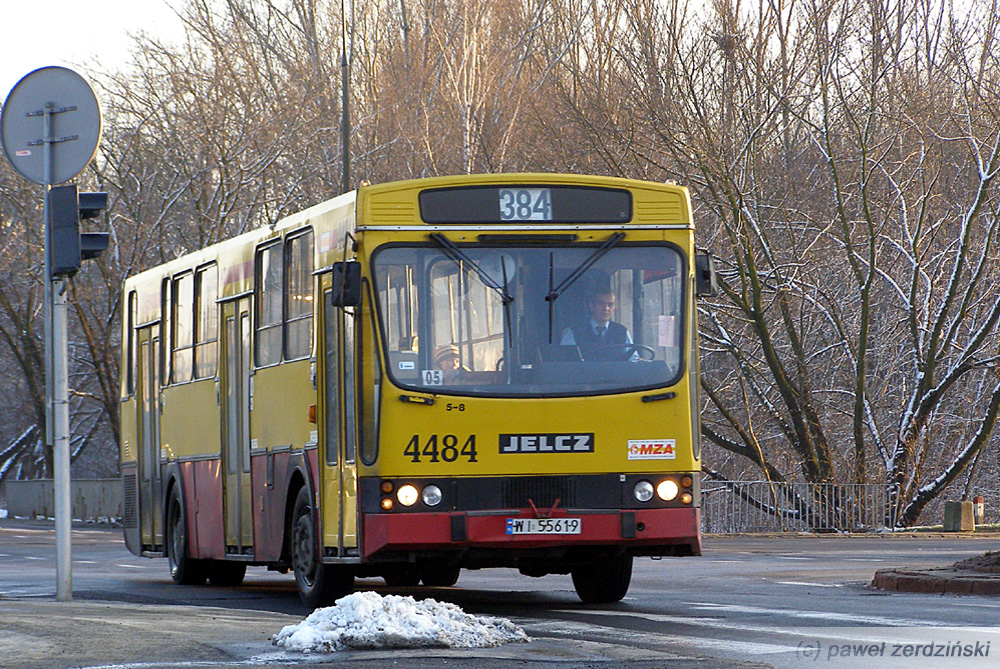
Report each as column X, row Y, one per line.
column 366, row 620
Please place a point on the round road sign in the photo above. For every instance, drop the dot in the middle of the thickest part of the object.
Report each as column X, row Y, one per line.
column 75, row 124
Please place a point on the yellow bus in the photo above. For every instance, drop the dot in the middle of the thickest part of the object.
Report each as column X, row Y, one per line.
column 420, row 377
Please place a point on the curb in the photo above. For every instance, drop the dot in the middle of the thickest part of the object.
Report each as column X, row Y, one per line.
column 938, row 581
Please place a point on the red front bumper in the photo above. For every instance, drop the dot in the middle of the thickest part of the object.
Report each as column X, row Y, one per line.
column 649, row 528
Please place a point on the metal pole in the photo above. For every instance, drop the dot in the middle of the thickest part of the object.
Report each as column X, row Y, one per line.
column 345, row 118
column 60, row 403
column 47, row 177
column 57, row 389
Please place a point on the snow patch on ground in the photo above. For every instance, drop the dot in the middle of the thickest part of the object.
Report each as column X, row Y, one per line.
column 367, row 621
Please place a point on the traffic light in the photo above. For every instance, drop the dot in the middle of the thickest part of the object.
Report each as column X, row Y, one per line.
column 67, row 246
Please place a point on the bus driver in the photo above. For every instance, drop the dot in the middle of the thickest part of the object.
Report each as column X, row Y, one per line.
column 599, row 337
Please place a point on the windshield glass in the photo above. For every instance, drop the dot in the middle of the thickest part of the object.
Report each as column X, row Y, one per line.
column 615, row 326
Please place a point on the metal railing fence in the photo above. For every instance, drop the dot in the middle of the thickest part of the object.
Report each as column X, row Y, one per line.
column 763, row 506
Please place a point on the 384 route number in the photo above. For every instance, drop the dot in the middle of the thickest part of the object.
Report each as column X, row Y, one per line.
column 441, row 448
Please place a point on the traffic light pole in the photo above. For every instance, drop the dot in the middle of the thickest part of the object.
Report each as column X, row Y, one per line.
column 57, row 384
column 62, row 100
column 60, row 409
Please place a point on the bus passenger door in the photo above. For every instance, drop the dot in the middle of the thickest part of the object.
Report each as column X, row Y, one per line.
column 148, row 420
column 349, row 468
column 340, row 469
column 236, row 427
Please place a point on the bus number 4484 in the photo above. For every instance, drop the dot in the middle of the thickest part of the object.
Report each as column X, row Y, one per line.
column 441, row 448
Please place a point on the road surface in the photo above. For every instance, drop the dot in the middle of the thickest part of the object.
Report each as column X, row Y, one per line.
column 749, row 601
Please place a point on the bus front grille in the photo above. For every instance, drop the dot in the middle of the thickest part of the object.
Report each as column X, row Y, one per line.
column 543, row 491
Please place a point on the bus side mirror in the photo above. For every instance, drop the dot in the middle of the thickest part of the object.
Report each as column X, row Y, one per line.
column 346, row 284
column 706, row 281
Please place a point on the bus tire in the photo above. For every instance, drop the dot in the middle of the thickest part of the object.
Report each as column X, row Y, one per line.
column 318, row 584
column 226, row 574
column 604, row 581
column 440, row 577
column 183, row 569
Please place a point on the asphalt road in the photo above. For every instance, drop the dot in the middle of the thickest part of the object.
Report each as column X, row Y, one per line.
column 784, row 601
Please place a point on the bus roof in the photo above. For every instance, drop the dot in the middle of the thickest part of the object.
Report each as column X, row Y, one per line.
column 396, row 202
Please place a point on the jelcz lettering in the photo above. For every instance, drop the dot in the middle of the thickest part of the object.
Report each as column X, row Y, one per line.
column 547, row 443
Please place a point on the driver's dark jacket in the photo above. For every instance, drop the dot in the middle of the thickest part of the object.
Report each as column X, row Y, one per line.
column 591, row 346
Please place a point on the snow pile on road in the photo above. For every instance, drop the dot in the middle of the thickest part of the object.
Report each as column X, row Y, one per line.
column 367, row 621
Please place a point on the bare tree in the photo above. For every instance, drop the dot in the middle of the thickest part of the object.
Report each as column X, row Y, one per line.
column 843, row 157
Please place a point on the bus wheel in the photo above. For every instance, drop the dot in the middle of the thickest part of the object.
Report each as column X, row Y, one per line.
column 440, row 577
column 605, row 581
column 319, row 584
column 183, row 569
column 225, row 574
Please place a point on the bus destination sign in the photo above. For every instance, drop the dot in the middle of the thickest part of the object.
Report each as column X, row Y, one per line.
column 529, row 203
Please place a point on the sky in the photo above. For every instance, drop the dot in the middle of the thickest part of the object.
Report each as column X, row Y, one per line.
column 72, row 33
column 367, row 620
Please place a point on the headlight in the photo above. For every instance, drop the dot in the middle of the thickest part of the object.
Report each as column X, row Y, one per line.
column 407, row 495
column 666, row 491
column 643, row 491
column 431, row 495
column 686, row 498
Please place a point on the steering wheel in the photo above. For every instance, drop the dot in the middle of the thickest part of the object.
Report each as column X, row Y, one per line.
column 628, row 350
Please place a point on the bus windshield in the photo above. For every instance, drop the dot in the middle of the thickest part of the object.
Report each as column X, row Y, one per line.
column 555, row 320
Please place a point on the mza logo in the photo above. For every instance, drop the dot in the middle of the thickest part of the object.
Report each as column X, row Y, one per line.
column 652, row 449
column 547, row 443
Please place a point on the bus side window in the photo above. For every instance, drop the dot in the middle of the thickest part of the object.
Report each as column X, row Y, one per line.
column 182, row 330
column 298, row 295
column 130, row 353
column 268, row 303
column 206, row 321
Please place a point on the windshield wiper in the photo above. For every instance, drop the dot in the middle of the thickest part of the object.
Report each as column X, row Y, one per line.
column 554, row 293
column 457, row 256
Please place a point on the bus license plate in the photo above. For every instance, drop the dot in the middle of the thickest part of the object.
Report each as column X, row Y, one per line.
column 543, row 525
